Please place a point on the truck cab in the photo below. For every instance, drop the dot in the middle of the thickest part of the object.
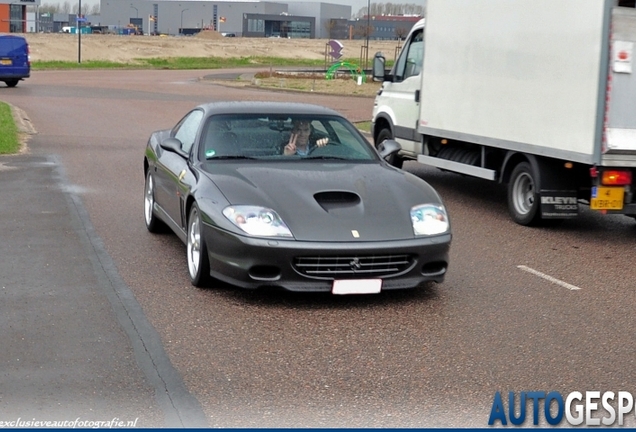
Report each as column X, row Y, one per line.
column 393, row 120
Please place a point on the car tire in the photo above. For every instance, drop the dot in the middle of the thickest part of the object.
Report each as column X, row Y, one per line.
column 523, row 196
column 11, row 83
column 153, row 224
column 395, row 159
column 197, row 251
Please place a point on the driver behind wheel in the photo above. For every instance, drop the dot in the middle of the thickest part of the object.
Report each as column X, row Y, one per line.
column 301, row 141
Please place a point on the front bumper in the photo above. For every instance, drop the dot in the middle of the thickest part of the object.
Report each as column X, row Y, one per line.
column 250, row 262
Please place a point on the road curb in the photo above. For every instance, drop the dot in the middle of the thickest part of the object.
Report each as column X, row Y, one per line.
column 24, row 126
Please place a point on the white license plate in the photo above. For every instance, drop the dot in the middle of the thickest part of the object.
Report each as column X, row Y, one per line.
column 357, row 286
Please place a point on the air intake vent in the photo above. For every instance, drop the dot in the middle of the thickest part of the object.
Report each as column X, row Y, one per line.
column 336, row 199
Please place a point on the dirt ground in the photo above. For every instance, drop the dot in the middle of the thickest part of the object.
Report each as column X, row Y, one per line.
column 63, row 46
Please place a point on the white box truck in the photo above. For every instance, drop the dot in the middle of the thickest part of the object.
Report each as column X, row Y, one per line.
column 536, row 94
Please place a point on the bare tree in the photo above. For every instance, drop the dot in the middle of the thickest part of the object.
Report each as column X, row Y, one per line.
column 85, row 8
column 391, row 9
column 329, row 26
column 95, row 10
column 362, row 31
column 401, row 32
column 49, row 8
column 66, row 7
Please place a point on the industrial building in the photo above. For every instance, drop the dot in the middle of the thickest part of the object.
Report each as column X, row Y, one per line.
column 247, row 18
column 241, row 18
column 13, row 15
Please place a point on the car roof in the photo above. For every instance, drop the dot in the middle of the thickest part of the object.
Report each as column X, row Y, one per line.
column 252, row 107
column 12, row 37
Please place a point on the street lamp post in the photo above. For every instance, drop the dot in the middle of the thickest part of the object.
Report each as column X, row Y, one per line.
column 136, row 16
column 366, row 61
column 181, row 28
column 78, row 27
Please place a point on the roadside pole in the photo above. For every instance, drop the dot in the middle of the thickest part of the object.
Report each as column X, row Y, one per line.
column 78, row 27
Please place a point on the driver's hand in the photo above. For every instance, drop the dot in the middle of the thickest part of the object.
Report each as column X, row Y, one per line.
column 290, row 148
column 322, row 142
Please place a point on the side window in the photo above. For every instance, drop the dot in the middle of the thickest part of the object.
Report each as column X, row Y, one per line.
column 319, row 127
column 342, row 135
column 186, row 130
column 410, row 61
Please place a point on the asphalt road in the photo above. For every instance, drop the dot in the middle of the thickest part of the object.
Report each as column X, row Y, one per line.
column 94, row 305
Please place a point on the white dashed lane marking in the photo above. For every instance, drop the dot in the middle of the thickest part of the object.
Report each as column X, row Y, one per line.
column 548, row 278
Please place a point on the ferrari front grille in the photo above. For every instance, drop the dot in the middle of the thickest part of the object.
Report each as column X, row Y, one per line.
column 348, row 266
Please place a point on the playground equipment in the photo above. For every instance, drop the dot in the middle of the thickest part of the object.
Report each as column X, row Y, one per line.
column 356, row 72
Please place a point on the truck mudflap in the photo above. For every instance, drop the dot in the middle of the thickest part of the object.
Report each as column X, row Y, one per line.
column 559, row 204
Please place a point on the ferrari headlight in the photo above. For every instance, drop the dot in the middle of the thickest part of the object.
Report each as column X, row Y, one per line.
column 257, row 221
column 429, row 219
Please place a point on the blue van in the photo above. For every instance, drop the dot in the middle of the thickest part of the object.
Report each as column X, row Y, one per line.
column 15, row 63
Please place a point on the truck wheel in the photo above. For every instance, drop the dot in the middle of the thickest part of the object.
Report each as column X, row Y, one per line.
column 523, row 196
column 11, row 83
column 394, row 160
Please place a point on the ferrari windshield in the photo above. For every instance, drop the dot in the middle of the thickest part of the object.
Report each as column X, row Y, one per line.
column 282, row 137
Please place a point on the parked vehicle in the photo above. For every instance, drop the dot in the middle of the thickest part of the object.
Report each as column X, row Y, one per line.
column 293, row 196
column 535, row 95
column 15, row 63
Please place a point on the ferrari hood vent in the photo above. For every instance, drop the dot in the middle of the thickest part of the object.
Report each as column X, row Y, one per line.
column 334, row 200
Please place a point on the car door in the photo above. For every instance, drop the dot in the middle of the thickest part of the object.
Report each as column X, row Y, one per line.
column 172, row 167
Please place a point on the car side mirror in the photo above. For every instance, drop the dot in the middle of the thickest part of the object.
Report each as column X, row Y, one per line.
column 379, row 70
column 388, row 148
column 173, row 145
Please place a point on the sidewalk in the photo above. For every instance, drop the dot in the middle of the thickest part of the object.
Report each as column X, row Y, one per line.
column 75, row 343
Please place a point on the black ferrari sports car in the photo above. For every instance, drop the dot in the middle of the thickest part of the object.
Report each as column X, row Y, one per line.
column 292, row 196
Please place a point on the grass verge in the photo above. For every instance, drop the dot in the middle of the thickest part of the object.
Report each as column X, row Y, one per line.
column 364, row 126
column 344, row 84
column 9, row 142
column 182, row 63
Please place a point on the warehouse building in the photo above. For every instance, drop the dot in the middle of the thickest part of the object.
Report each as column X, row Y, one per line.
column 240, row 18
column 13, row 15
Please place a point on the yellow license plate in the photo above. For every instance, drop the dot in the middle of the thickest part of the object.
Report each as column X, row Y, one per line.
column 607, row 198
column 5, row 62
